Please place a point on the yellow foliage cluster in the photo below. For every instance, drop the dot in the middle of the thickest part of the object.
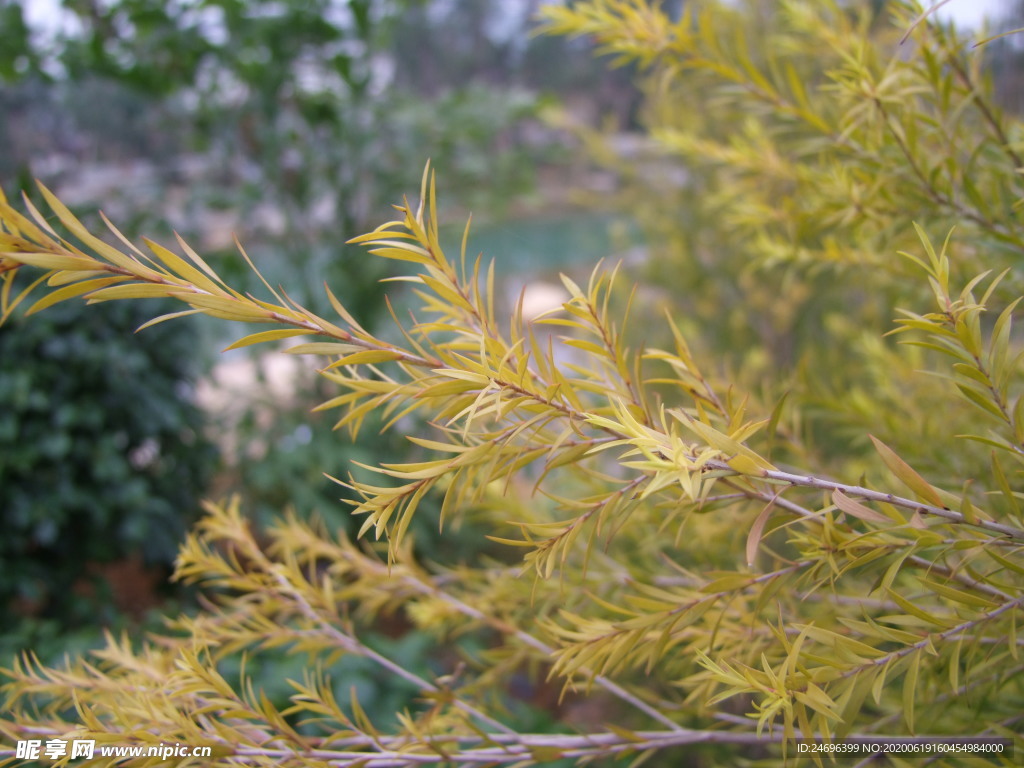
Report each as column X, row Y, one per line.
column 676, row 546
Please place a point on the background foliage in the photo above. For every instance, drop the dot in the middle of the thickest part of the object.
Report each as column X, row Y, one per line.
column 103, row 453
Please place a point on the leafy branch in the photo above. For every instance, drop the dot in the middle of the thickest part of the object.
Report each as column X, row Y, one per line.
column 684, row 541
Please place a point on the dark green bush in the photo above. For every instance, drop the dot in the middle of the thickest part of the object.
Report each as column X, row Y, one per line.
column 102, row 458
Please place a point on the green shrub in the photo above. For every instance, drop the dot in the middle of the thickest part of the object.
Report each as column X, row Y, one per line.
column 102, row 459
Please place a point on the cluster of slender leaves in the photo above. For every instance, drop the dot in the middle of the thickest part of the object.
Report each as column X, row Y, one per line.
column 658, row 554
column 790, row 148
